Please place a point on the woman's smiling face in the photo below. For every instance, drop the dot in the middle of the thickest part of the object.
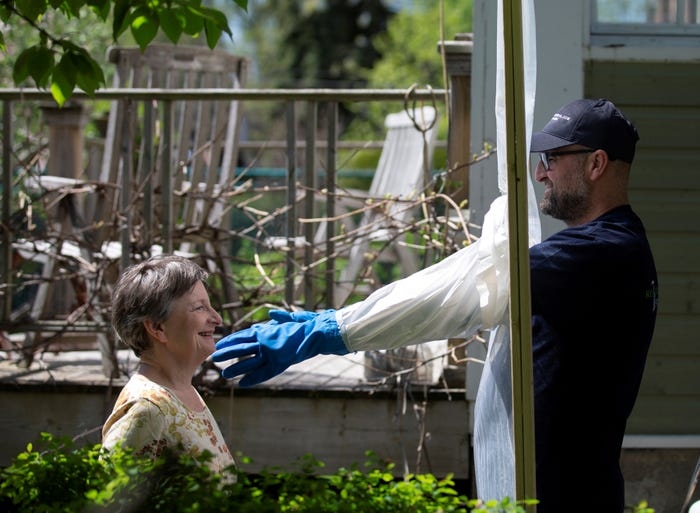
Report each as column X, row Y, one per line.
column 191, row 323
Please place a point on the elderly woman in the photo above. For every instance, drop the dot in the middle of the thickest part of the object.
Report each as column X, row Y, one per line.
column 161, row 310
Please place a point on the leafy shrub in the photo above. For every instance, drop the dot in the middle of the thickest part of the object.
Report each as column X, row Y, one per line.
column 61, row 477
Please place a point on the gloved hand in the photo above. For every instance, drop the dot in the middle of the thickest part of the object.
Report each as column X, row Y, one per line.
column 268, row 349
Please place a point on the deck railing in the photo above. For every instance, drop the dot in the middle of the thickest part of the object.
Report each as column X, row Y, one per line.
column 301, row 266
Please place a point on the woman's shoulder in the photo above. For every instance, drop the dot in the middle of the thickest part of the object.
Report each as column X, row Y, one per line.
column 141, row 390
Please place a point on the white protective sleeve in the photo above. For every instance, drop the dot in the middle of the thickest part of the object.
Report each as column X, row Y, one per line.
column 452, row 298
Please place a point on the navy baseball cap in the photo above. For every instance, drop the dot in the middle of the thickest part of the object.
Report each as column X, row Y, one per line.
column 596, row 124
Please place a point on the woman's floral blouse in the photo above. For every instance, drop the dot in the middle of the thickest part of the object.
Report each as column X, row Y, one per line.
column 149, row 418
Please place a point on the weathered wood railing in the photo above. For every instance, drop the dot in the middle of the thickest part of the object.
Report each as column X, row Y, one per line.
column 310, row 144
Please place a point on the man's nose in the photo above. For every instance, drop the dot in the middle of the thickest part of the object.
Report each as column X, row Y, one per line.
column 540, row 171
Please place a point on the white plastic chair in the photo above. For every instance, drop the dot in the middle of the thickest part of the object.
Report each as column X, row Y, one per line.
column 401, row 176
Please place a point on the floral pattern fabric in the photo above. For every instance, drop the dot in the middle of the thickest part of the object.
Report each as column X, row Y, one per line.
column 149, row 418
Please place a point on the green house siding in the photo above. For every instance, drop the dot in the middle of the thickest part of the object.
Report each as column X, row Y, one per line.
column 662, row 100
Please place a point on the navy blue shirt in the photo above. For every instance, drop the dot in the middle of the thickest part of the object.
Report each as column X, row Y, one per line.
column 593, row 313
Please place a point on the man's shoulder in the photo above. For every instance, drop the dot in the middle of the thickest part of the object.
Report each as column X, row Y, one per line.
column 620, row 225
column 615, row 242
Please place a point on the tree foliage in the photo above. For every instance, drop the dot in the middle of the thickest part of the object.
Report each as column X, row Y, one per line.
column 309, row 44
column 55, row 61
column 409, row 47
column 340, row 44
column 410, row 55
column 315, row 43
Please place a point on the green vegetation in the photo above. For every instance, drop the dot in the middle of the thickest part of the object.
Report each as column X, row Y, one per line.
column 56, row 61
column 410, row 56
column 62, row 477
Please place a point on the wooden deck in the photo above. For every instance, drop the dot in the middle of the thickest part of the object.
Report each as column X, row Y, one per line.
column 324, row 407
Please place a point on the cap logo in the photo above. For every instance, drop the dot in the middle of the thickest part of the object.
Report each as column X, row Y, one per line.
column 558, row 116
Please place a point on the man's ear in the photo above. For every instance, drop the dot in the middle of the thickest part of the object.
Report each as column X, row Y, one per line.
column 154, row 330
column 598, row 163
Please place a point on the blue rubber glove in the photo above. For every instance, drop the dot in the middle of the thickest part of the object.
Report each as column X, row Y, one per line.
column 268, row 349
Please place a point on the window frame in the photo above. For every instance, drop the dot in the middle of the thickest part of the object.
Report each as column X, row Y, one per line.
column 642, row 35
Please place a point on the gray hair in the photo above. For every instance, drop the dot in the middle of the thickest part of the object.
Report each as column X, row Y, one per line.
column 146, row 291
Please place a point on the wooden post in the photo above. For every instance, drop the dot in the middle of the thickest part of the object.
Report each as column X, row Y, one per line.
column 66, row 142
column 310, row 182
column 66, row 127
column 458, row 61
column 5, row 212
column 519, row 256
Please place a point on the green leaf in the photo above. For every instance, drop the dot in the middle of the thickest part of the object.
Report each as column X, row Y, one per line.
column 20, row 71
column 42, row 63
column 214, row 23
column 100, row 7
column 144, row 26
column 120, row 18
column 194, row 23
column 97, row 72
column 98, row 4
column 58, row 93
column 63, row 79
column 213, row 33
column 5, row 13
column 88, row 74
column 220, row 19
column 172, row 21
column 72, row 8
column 243, row 4
column 3, row 48
column 31, row 8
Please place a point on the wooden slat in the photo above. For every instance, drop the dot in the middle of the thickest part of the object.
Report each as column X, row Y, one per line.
column 673, row 170
column 665, row 128
column 668, row 376
column 675, row 251
column 676, row 335
column 645, row 83
column 662, row 100
column 679, row 295
column 665, row 414
column 668, row 210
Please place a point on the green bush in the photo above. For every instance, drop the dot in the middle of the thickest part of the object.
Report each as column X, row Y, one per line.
column 61, row 476
column 58, row 476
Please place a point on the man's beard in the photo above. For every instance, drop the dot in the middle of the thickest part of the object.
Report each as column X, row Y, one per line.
column 568, row 206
